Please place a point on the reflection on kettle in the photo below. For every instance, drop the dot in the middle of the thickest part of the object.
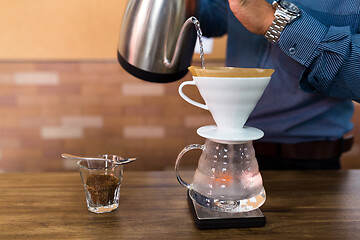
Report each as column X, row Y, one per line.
column 157, row 39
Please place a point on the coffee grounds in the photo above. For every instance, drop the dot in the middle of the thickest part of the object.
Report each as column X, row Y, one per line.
column 102, row 188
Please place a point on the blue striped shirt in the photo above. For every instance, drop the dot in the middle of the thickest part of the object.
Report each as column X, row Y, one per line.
column 316, row 62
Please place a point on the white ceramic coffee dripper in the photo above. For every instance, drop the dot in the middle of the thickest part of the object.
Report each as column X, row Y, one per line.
column 227, row 178
column 230, row 101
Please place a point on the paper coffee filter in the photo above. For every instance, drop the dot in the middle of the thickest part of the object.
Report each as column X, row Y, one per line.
column 230, row 72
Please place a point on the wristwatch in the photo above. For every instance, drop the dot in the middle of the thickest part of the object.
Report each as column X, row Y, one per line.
column 285, row 13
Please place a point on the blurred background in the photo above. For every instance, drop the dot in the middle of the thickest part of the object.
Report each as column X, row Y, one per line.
column 63, row 91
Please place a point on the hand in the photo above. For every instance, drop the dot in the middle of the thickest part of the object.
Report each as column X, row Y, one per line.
column 255, row 15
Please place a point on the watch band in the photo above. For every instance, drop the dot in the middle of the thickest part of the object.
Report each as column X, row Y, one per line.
column 285, row 12
column 276, row 27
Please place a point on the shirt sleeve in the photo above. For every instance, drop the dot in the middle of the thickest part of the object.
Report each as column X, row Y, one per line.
column 213, row 17
column 331, row 56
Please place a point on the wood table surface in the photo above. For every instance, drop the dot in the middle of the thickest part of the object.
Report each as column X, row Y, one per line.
column 299, row 205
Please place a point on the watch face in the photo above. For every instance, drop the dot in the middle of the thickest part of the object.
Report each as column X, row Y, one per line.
column 289, row 6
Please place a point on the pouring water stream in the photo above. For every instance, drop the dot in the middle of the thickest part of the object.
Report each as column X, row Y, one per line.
column 199, row 35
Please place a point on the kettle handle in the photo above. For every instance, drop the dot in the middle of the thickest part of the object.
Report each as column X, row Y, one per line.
column 177, row 163
column 189, row 100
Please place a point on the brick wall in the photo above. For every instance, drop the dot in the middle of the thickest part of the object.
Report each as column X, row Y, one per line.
column 91, row 108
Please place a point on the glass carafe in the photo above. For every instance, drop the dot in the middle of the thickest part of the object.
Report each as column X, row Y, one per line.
column 227, row 178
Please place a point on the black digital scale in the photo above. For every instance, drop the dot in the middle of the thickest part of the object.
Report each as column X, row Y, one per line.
column 206, row 218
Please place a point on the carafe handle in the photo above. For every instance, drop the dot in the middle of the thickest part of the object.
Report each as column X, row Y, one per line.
column 189, row 100
column 177, row 163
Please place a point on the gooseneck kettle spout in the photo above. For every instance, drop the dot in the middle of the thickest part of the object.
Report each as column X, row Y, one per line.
column 157, row 39
column 189, row 23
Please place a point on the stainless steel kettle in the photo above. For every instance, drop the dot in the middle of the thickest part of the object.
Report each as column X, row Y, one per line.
column 157, row 39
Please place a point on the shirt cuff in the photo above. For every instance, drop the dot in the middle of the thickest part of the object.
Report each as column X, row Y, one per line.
column 300, row 39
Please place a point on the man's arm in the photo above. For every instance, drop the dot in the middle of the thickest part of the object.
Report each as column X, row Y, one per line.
column 330, row 54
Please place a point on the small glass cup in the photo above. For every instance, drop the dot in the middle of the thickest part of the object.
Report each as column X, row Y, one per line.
column 101, row 180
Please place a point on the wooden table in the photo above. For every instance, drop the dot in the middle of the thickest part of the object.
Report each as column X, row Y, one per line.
column 300, row 205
